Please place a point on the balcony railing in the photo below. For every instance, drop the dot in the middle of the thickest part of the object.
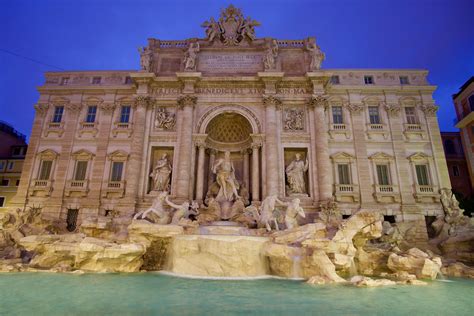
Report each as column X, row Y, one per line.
column 375, row 127
column 55, row 125
column 116, row 185
column 342, row 188
column 380, row 188
column 412, row 127
column 425, row 189
column 339, row 127
column 121, row 125
column 77, row 184
column 42, row 183
column 88, row 125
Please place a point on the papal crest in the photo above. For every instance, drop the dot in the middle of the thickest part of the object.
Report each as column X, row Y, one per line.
column 232, row 28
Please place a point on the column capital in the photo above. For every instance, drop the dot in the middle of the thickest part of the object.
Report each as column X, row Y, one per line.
column 74, row 107
column 186, row 100
column 245, row 151
column 318, row 101
column 200, row 140
column 41, row 109
column 392, row 109
column 212, row 151
column 107, row 107
column 269, row 100
column 355, row 108
column 429, row 109
column 189, row 80
column 143, row 101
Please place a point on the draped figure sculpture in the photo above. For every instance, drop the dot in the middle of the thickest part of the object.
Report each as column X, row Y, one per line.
column 225, row 178
column 295, row 175
column 161, row 174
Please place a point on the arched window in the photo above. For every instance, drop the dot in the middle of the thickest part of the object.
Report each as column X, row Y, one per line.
column 449, row 147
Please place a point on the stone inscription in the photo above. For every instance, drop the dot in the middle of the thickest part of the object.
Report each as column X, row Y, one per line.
column 228, row 63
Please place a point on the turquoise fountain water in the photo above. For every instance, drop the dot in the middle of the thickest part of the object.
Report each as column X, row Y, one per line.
column 152, row 293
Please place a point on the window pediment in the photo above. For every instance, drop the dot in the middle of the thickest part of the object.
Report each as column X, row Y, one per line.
column 118, row 155
column 48, row 154
column 93, row 101
column 60, row 101
column 342, row 156
column 83, row 154
column 419, row 157
column 380, row 156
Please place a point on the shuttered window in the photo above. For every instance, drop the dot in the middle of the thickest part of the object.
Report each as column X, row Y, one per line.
column 337, row 115
column 343, row 171
column 80, row 172
column 45, row 170
column 411, row 115
column 117, row 168
column 383, row 175
column 422, row 174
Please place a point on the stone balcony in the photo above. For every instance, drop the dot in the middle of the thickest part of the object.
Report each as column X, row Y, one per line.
column 412, row 131
column 426, row 193
column 114, row 189
column 386, row 193
column 335, row 129
column 77, row 188
column 88, row 128
column 376, row 130
column 56, row 128
column 41, row 188
column 346, row 192
column 122, row 128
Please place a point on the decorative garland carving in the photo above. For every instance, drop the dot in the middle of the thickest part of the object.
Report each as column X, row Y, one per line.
column 143, row 101
column 271, row 100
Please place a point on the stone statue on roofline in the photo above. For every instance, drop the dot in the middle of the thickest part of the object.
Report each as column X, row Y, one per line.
column 145, row 58
column 190, row 57
column 317, row 56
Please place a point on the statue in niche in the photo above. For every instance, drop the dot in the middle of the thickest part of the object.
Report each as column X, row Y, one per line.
column 190, row 57
column 164, row 120
column 293, row 209
column 295, row 175
column 317, row 56
column 269, row 60
column 161, row 174
column 225, row 178
column 145, row 58
column 156, row 208
column 294, row 120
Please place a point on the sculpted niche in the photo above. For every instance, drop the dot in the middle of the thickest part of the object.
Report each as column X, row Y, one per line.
column 161, row 174
column 295, row 174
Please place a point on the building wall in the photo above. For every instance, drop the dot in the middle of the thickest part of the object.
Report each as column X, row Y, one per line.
column 464, row 105
column 393, row 142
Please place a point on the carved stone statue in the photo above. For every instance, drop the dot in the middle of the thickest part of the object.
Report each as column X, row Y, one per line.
column 295, row 175
column 317, row 56
column 181, row 211
column 247, row 28
column 292, row 211
column 213, row 29
column 190, row 57
column 225, row 178
column 269, row 60
column 161, row 174
column 294, row 120
column 164, row 120
column 267, row 209
column 330, row 213
column 211, row 213
column 158, row 209
column 453, row 217
column 145, row 58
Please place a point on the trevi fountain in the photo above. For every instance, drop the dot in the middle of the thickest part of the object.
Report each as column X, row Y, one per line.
column 252, row 195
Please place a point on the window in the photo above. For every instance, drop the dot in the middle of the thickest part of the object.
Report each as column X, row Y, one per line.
column 337, row 115
column 128, row 80
column 383, row 175
column 2, row 201
column 58, row 114
column 91, row 112
column 471, row 102
column 45, row 170
column 117, row 168
column 449, row 147
column 2, row 165
column 368, row 79
column 343, row 172
column 80, row 171
column 334, row 80
column 411, row 115
column 96, row 80
column 374, row 115
column 422, row 174
column 64, row 81
column 404, row 80
column 11, row 164
column 17, row 182
column 125, row 114
column 4, row 182
column 455, row 171
column 17, row 151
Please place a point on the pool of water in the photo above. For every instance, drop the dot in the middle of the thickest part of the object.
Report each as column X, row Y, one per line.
column 152, row 293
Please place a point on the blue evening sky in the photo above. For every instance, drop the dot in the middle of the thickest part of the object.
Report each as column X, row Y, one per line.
column 437, row 35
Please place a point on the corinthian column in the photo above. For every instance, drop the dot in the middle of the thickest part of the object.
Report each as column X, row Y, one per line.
column 186, row 105
column 255, row 173
column 319, row 103
column 245, row 156
column 271, row 143
column 212, row 159
column 200, row 169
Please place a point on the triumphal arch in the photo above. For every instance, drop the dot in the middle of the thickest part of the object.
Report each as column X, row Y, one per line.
column 232, row 117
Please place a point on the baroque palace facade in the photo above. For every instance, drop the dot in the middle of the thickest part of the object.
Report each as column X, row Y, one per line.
column 110, row 140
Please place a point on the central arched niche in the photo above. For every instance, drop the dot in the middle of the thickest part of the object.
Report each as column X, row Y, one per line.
column 229, row 131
